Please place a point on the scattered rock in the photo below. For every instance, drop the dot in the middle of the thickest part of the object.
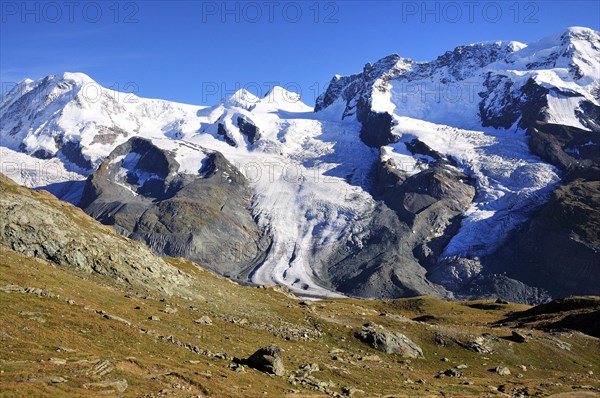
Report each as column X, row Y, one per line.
column 118, row 319
column 479, row 344
column 169, row 310
column 12, row 288
column 67, row 350
column 350, row 391
column 268, row 359
column 101, row 368
column 444, row 359
column 371, row 358
column 116, row 385
column 306, row 370
column 34, row 316
column 57, row 380
column 502, row 370
column 461, row 366
column 389, row 342
column 442, row 340
column 204, row 320
column 154, row 318
column 57, row 361
column 237, row 367
column 518, row 337
column 449, row 373
column 501, row 301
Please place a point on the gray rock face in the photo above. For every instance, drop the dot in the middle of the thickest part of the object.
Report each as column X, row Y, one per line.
column 418, row 216
column 565, row 146
column 248, row 129
column 383, row 264
column 490, row 285
column 389, row 342
column 559, row 249
column 502, row 105
column 37, row 225
column 203, row 217
column 429, row 202
column 268, row 359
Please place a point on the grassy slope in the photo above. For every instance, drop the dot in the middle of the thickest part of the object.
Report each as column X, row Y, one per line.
column 151, row 365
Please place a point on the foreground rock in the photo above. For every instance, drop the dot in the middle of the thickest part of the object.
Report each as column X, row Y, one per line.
column 389, row 342
column 36, row 224
column 268, row 360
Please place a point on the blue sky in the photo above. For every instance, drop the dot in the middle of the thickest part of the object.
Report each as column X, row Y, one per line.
column 198, row 52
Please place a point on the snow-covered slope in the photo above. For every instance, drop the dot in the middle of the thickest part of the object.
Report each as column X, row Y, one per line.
column 74, row 118
column 313, row 174
column 296, row 164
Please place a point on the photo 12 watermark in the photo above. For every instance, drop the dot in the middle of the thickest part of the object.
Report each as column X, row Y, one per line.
column 89, row 92
column 253, row 12
column 125, row 12
column 526, row 12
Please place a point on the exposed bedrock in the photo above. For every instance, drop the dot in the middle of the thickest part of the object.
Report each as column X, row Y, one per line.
column 559, row 249
column 204, row 217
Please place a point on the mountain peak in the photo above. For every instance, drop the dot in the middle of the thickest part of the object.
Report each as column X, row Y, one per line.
column 242, row 99
column 579, row 31
column 76, row 77
column 279, row 95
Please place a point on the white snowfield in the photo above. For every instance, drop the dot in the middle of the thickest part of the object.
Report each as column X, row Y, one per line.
column 309, row 170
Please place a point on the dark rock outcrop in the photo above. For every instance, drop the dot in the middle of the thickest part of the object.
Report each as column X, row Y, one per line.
column 248, row 129
column 268, row 360
column 222, row 131
column 430, row 202
column 383, row 264
column 565, row 146
column 503, row 103
column 559, row 249
column 203, row 217
column 410, row 227
column 577, row 313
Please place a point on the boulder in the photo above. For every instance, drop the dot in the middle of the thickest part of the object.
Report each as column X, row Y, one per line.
column 389, row 342
column 268, row 360
column 449, row 373
column 502, row 370
column 518, row 337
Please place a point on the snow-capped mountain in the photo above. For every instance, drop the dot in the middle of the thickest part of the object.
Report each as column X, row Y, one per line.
column 405, row 178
